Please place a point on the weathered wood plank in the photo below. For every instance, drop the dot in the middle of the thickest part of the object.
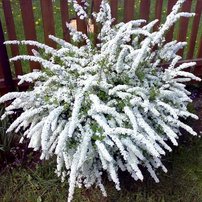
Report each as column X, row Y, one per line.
column 65, row 18
column 186, row 7
column 144, row 9
column 29, row 27
column 48, row 21
column 195, row 28
column 114, row 9
column 169, row 35
column 128, row 10
column 1, row 71
column 11, row 33
column 96, row 8
column 199, row 55
column 158, row 13
column 81, row 24
column 5, row 63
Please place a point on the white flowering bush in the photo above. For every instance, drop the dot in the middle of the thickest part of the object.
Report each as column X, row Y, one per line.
column 106, row 107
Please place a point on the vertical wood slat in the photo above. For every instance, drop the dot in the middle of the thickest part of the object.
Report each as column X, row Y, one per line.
column 169, row 35
column 195, row 28
column 199, row 55
column 48, row 21
column 128, row 10
column 65, row 18
column 29, row 27
column 114, row 9
column 81, row 24
column 158, row 13
column 144, row 9
column 1, row 71
column 4, row 61
column 96, row 8
column 10, row 26
column 186, row 7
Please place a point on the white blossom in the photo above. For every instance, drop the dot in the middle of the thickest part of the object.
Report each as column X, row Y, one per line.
column 105, row 107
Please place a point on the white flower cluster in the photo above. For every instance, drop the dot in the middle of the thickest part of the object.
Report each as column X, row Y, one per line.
column 80, row 8
column 107, row 107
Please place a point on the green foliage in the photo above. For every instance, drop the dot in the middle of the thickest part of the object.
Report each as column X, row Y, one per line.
column 96, row 128
column 102, row 95
column 191, row 108
column 140, row 74
column 98, row 137
column 153, row 93
column 72, row 143
column 6, row 139
column 121, row 104
column 48, row 72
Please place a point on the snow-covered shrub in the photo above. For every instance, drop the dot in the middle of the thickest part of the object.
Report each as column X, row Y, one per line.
column 107, row 107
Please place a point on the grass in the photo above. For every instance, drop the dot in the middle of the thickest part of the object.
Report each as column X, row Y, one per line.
column 182, row 183
column 58, row 26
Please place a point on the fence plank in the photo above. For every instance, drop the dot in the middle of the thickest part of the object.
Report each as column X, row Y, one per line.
column 186, row 7
column 65, row 18
column 114, row 8
column 29, row 27
column 144, row 9
column 200, row 49
column 5, row 63
column 11, row 34
column 48, row 21
column 96, row 8
column 128, row 10
column 81, row 24
column 195, row 28
column 169, row 35
column 158, row 13
column 1, row 71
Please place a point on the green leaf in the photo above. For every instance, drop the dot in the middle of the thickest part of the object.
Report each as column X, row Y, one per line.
column 191, row 108
column 140, row 74
column 96, row 137
column 121, row 104
column 46, row 98
column 48, row 72
column 29, row 177
column 66, row 106
column 39, row 199
column 55, row 101
column 72, row 143
column 94, row 127
column 153, row 93
column 102, row 95
column 154, row 72
column 2, row 148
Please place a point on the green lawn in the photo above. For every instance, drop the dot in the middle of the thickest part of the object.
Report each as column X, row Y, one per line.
column 182, row 183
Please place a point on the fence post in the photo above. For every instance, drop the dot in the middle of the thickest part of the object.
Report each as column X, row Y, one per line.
column 4, row 61
column 81, row 24
column 48, row 21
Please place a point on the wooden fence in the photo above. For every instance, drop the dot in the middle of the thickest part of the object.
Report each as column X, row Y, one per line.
column 189, row 30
